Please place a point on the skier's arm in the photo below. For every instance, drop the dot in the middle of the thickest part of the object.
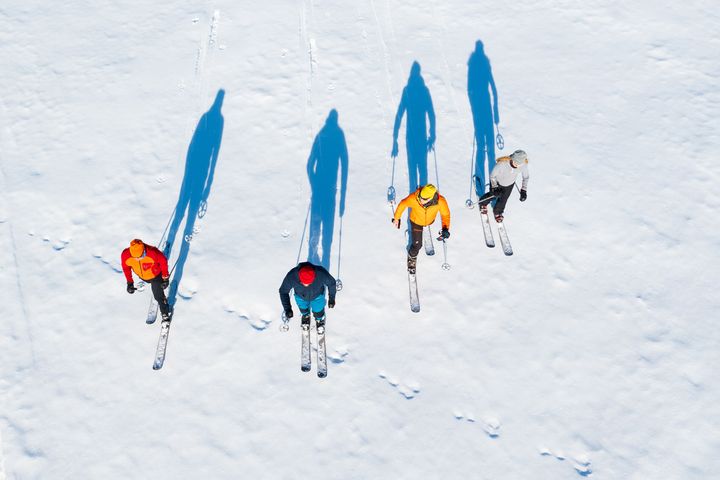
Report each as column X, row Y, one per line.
column 444, row 213
column 401, row 208
column 525, row 176
column 494, row 176
column 330, row 283
column 125, row 267
column 160, row 258
column 285, row 288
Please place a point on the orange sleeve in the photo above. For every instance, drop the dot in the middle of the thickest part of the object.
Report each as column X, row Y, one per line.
column 125, row 267
column 444, row 212
column 402, row 206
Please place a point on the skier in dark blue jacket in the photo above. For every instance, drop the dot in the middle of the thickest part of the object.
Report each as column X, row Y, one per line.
column 309, row 282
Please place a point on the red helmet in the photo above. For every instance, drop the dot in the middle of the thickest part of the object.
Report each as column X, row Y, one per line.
column 306, row 274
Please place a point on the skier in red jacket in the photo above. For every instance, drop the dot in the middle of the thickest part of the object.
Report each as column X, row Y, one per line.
column 150, row 265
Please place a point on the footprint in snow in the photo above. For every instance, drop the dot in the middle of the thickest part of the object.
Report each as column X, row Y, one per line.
column 114, row 263
column 259, row 323
column 407, row 389
column 57, row 244
column 339, row 354
column 581, row 462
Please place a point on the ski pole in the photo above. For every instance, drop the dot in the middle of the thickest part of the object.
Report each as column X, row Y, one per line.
column 445, row 265
column 469, row 202
column 499, row 140
column 338, row 282
column 286, row 323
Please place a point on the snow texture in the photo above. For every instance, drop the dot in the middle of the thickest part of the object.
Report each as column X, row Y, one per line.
column 592, row 351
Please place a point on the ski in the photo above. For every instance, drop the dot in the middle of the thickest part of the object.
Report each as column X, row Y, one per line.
column 162, row 345
column 489, row 240
column 504, row 240
column 152, row 311
column 321, row 353
column 305, row 349
column 414, row 298
column 428, row 242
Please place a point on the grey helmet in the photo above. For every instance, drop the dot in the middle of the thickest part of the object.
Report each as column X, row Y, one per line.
column 518, row 157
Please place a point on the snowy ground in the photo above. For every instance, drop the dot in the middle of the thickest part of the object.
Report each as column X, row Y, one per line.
column 591, row 351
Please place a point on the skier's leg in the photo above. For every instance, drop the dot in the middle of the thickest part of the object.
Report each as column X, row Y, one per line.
column 416, row 232
column 318, row 307
column 499, row 206
column 303, row 305
column 159, row 294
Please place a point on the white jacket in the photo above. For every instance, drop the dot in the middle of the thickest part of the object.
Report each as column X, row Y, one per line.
column 504, row 174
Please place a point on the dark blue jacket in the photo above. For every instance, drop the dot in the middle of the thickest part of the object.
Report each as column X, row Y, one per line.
column 292, row 282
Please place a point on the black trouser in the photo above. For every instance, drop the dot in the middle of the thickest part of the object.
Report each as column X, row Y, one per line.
column 159, row 294
column 416, row 234
column 499, row 206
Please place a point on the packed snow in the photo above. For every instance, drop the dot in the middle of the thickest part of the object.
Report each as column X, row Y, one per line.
column 592, row 351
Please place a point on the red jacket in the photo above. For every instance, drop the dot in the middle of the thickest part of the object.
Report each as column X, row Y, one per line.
column 147, row 267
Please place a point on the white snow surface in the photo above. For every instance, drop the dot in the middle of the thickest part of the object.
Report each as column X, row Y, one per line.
column 592, row 351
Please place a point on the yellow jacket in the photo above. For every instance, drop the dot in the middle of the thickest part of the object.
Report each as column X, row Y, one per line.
column 424, row 215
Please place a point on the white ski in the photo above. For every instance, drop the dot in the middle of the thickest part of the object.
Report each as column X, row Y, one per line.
column 489, row 240
column 321, row 354
column 414, row 298
column 305, row 349
column 152, row 311
column 162, row 345
column 504, row 240
column 428, row 242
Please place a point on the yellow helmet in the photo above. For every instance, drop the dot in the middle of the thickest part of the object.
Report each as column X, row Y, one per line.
column 137, row 248
column 428, row 191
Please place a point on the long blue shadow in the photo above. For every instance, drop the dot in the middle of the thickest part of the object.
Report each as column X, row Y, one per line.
column 328, row 155
column 485, row 114
column 417, row 104
column 200, row 165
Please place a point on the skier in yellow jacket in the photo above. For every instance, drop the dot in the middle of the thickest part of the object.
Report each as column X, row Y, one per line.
column 424, row 205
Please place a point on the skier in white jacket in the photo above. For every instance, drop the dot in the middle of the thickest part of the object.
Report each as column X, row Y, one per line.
column 502, row 181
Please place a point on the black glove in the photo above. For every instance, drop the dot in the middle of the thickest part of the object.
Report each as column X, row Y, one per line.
column 444, row 233
column 523, row 195
column 165, row 283
column 331, row 303
column 131, row 287
column 288, row 313
column 398, row 222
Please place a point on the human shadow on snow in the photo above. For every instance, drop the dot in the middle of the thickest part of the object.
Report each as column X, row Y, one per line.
column 416, row 104
column 328, row 155
column 200, row 165
column 480, row 85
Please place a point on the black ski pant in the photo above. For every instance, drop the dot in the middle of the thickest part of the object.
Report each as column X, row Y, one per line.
column 159, row 294
column 416, row 238
column 499, row 206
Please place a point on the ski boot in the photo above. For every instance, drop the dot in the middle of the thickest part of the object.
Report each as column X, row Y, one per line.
column 483, row 209
column 411, row 264
column 167, row 316
column 498, row 218
column 305, row 321
column 320, row 321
